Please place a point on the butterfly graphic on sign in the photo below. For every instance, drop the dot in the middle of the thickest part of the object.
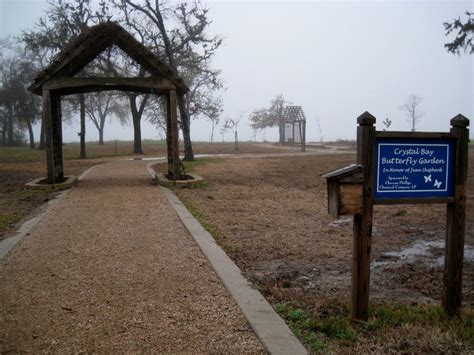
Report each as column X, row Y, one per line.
column 427, row 179
column 437, row 184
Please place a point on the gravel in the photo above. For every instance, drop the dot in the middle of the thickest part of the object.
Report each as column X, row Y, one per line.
column 111, row 268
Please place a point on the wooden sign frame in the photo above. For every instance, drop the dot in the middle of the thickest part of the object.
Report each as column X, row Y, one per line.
column 456, row 211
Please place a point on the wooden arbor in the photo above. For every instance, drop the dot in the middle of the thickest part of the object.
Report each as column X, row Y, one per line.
column 294, row 126
column 58, row 79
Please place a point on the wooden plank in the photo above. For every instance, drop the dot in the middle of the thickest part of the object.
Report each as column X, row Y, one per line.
column 82, row 133
column 351, row 200
column 174, row 163
column 84, row 51
column 333, row 198
column 456, row 221
column 57, row 135
column 362, row 229
column 68, row 86
column 341, row 172
column 417, row 135
column 53, row 133
column 48, row 135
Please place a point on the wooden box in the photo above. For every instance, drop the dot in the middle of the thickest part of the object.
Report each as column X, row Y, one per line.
column 345, row 190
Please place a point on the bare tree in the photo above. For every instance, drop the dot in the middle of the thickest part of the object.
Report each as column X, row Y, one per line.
column 178, row 32
column 320, row 129
column 233, row 125
column 63, row 21
column 222, row 132
column 19, row 109
column 99, row 106
column 387, row 123
column 412, row 111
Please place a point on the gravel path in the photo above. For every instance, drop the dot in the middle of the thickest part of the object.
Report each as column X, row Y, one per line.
column 111, row 268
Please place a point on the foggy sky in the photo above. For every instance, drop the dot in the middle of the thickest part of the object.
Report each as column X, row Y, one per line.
column 336, row 59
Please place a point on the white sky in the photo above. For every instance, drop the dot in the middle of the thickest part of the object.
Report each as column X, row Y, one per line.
column 336, row 59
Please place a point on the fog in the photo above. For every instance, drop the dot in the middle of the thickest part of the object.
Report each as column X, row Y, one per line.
column 335, row 59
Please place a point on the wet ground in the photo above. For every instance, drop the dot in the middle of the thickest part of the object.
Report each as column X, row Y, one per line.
column 272, row 216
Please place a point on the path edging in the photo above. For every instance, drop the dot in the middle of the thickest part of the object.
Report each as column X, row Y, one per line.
column 271, row 329
column 9, row 243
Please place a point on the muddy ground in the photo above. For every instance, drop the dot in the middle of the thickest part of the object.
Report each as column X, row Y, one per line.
column 270, row 214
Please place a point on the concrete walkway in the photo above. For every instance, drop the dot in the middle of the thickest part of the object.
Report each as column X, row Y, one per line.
column 110, row 268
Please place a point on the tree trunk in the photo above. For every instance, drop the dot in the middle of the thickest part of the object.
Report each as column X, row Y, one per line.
column 237, row 148
column 212, row 130
column 281, row 129
column 137, row 135
column 31, row 134
column 101, row 136
column 42, row 143
column 137, row 131
column 186, row 128
column 82, row 134
column 10, row 139
column 4, row 132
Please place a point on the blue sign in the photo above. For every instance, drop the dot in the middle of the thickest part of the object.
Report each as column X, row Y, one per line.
column 413, row 168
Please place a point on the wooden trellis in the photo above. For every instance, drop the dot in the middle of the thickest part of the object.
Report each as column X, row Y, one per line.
column 294, row 126
column 59, row 79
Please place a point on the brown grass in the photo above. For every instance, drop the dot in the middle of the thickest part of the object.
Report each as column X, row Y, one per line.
column 271, row 214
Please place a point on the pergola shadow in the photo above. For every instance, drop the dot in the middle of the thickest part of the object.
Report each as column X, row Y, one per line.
column 58, row 79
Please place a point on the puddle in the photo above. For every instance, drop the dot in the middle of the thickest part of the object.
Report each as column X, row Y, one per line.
column 420, row 250
column 340, row 222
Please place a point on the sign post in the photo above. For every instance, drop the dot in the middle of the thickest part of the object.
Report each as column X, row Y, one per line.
column 456, row 220
column 362, row 228
column 404, row 168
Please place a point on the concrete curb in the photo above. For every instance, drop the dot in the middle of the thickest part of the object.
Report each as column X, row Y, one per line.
column 8, row 244
column 273, row 332
column 38, row 184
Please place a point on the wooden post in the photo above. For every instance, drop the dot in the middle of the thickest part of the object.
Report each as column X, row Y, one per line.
column 53, row 132
column 456, row 220
column 362, row 231
column 303, row 138
column 82, row 154
column 172, row 137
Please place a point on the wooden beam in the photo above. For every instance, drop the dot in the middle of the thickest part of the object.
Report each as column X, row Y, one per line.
column 172, row 137
column 67, row 86
column 456, row 221
column 362, row 229
column 417, row 135
column 83, row 53
column 48, row 135
column 53, row 132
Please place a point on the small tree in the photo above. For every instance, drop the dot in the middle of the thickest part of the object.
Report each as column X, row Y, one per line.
column 464, row 37
column 412, row 111
column 99, row 105
column 320, row 129
column 270, row 117
column 387, row 123
column 233, row 125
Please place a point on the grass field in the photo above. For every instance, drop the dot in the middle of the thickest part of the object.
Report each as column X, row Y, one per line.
column 19, row 165
column 270, row 215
